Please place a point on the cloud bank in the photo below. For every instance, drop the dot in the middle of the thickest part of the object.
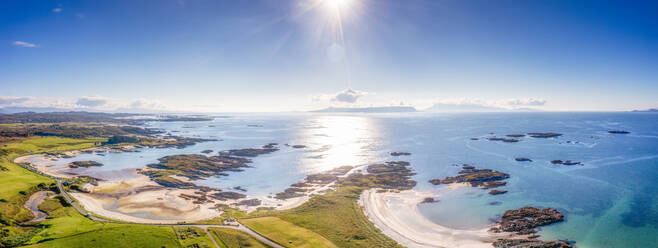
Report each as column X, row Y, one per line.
column 24, row 44
column 91, row 101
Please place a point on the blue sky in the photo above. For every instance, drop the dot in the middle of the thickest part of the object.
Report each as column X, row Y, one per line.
column 276, row 55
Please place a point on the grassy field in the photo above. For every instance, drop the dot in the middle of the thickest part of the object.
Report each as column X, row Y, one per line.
column 64, row 226
column 286, row 233
column 336, row 216
column 14, row 179
column 193, row 237
column 231, row 238
column 67, row 228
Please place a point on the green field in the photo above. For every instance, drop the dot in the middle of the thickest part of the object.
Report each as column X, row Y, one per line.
column 67, row 228
column 336, row 216
column 193, row 237
column 231, row 238
column 286, row 233
column 64, row 226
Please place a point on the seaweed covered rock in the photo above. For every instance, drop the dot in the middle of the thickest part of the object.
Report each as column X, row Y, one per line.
column 544, row 135
column 300, row 188
column 530, row 243
column 485, row 178
column 252, row 152
column 389, row 175
column 84, row 164
column 525, row 219
column 497, row 192
column 507, row 140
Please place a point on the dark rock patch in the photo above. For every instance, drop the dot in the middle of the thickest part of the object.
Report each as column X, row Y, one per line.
column 529, row 243
column 526, row 219
column 395, row 154
column 250, row 202
column 497, row 192
column 84, row 164
column 485, row 178
column 522, row 159
column 544, row 135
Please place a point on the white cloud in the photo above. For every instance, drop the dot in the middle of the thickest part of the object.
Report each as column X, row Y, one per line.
column 348, row 96
column 526, row 102
column 146, row 104
column 513, row 103
column 24, row 44
column 57, row 10
column 91, row 101
column 11, row 100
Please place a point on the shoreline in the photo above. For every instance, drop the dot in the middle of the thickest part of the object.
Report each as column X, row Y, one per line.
column 138, row 199
column 410, row 228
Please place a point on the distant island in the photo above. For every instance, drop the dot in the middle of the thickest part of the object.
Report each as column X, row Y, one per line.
column 653, row 110
column 448, row 107
column 391, row 109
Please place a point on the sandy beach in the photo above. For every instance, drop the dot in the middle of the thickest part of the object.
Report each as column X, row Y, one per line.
column 397, row 215
column 134, row 197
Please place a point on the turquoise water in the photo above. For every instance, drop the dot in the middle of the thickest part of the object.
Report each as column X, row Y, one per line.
column 610, row 201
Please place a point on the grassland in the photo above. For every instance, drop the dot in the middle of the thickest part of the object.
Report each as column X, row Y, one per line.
column 67, row 228
column 193, row 237
column 231, row 238
column 336, row 216
column 286, row 233
column 64, row 226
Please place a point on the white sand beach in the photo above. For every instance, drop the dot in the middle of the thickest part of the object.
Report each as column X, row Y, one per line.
column 397, row 215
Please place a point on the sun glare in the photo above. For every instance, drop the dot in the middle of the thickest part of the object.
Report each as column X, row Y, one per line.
column 338, row 8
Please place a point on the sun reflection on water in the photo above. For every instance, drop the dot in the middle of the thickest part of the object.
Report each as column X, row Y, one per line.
column 339, row 140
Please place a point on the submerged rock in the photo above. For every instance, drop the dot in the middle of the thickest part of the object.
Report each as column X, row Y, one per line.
column 206, row 151
column 515, row 135
column 429, row 200
column 618, row 132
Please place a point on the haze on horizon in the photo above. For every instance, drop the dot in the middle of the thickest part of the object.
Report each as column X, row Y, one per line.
column 299, row 55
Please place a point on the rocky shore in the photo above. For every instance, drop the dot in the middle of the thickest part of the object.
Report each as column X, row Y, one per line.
column 523, row 221
column 483, row 178
column 252, row 152
column 84, row 164
column 544, row 135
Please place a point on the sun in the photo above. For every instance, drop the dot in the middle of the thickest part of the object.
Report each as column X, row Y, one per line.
column 338, row 7
column 337, row 3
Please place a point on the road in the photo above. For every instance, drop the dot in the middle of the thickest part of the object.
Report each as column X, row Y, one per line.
column 239, row 227
column 33, row 205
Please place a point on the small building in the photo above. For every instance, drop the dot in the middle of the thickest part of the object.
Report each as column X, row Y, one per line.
column 231, row 222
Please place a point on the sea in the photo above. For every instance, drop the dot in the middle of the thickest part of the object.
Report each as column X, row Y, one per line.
column 609, row 200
